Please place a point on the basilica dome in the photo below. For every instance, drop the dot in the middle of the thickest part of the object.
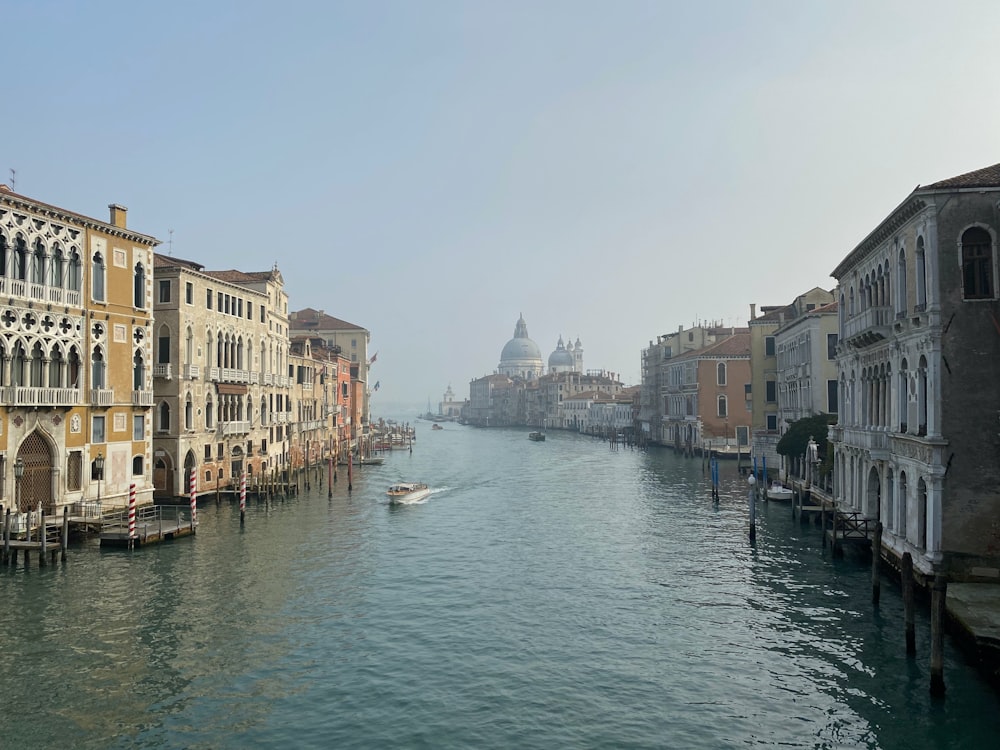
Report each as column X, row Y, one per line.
column 521, row 356
column 561, row 359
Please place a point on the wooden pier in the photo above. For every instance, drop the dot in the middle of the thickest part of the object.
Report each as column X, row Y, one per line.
column 153, row 524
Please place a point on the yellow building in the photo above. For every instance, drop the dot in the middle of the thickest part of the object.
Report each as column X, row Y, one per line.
column 75, row 338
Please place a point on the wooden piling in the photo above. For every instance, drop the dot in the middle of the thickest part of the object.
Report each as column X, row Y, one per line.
column 939, row 592
column 6, row 536
column 43, row 539
column 906, row 574
column 65, row 532
column 822, row 520
column 834, row 547
column 876, row 561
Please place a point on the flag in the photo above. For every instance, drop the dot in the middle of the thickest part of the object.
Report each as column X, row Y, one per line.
column 377, row 383
column 374, row 357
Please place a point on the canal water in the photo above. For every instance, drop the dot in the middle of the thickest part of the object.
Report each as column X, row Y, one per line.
column 546, row 595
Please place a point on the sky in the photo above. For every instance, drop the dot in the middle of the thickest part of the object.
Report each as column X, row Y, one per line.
column 432, row 170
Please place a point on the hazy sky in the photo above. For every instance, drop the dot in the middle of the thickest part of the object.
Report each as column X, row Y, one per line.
column 431, row 170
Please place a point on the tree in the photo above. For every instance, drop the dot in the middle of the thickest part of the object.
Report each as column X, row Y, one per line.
column 793, row 443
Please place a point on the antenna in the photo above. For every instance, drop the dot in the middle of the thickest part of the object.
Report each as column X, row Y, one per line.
column 13, row 179
column 170, row 242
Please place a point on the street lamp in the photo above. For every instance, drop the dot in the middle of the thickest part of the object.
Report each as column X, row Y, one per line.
column 18, row 473
column 99, row 465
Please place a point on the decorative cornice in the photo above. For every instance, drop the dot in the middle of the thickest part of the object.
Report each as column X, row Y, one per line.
column 19, row 202
column 889, row 226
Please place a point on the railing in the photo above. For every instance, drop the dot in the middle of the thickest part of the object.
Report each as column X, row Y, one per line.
column 28, row 290
column 192, row 372
column 254, row 378
column 213, row 373
column 164, row 371
column 232, row 375
column 235, row 428
column 268, row 378
column 142, row 398
column 874, row 440
column 101, row 397
column 33, row 396
column 872, row 323
column 281, row 417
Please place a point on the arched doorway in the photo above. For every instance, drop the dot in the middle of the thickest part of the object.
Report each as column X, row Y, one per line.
column 163, row 476
column 36, row 484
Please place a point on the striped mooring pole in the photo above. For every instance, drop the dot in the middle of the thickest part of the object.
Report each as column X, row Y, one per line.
column 131, row 515
column 192, row 490
column 243, row 497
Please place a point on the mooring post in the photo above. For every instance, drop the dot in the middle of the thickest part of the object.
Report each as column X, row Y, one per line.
column 833, row 534
column 822, row 520
column 752, row 481
column 876, row 562
column 906, row 574
column 939, row 592
column 329, row 482
column 43, row 539
column 65, row 532
column 6, row 536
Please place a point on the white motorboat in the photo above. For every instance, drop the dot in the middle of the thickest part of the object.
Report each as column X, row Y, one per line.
column 408, row 492
column 778, row 491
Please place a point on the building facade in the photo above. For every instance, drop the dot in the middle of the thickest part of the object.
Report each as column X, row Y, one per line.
column 76, row 341
column 919, row 358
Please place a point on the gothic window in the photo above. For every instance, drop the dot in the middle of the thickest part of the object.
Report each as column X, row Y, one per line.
column 921, row 275
column 57, row 267
column 922, row 397
column 73, row 368
column 209, row 414
column 97, row 368
column 20, row 259
column 901, row 301
column 188, row 413
column 902, row 500
column 138, row 371
column 977, row 264
column 720, row 373
column 3, row 255
column 164, row 415
column 37, row 357
column 56, row 366
column 97, row 278
column 73, row 275
column 903, row 400
column 38, row 263
column 139, row 286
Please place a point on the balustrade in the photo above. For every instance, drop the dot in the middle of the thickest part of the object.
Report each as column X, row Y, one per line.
column 163, row 370
column 101, row 397
column 142, row 398
column 36, row 396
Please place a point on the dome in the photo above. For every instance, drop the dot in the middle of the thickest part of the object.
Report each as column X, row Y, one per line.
column 561, row 357
column 520, row 347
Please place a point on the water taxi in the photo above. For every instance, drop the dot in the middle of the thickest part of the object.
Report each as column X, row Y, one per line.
column 778, row 491
column 408, row 492
column 538, row 436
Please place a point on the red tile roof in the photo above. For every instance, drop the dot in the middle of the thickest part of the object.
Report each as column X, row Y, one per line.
column 986, row 177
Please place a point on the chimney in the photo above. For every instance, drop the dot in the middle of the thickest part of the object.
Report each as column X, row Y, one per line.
column 118, row 215
column 753, row 311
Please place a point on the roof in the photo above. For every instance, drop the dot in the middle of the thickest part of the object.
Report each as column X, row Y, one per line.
column 234, row 276
column 166, row 261
column 980, row 178
column 737, row 345
column 318, row 320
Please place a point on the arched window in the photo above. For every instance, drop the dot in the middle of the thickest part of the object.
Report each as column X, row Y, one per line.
column 890, row 500
column 139, row 286
column 902, row 395
column 97, row 368
column 58, row 267
column 73, row 368
column 921, row 513
column 902, row 504
column 209, row 413
column 901, row 301
column 188, row 413
column 97, row 277
column 921, row 275
column 720, row 373
column 163, row 346
column 20, row 259
column 723, row 407
column 977, row 263
column 3, row 254
column 56, row 367
column 164, row 415
column 922, row 397
column 138, row 371
column 38, row 263
column 73, row 272
column 37, row 358
column 137, row 466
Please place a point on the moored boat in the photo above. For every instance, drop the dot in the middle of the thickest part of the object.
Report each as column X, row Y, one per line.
column 408, row 492
column 777, row 491
column 537, row 436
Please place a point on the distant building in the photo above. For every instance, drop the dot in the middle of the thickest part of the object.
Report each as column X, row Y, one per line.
column 449, row 406
column 566, row 358
column 521, row 357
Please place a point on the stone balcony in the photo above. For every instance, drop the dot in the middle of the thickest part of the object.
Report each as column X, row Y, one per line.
column 36, row 396
column 868, row 327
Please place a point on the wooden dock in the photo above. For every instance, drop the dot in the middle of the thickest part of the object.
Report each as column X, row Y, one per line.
column 153, row 524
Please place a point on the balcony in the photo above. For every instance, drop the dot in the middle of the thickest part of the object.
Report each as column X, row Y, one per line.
column 164, row 371
column 232, row 375
column 868, row 327
column 39, row 292
column 192, row 372
column 213, row 374
column 32, row 396
column 235, row 428
column 268, row 378
column 875, row 440
column 101, row 397
column 254, row 378
column 281, row 417
column 142, row 398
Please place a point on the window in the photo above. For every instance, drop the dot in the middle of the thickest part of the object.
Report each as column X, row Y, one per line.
column 138, row 371
column 772, row 422
column 901, row 302
column 831, row 396
column 164, row 413
column 771, row 391
column 74, row 470
column 249, row 310
column 139, row 427
column 139, row 286
column 977, row 264
column 723, row 407
column 137, row 466
column 208, row 452
column 263, row 312
column 163, row 346
column 769, row 346
column 97, row 278
column 97, row 369
column 921, row 276
column 208, row 299
column 720, row 373
column 189, row 293
column 188, row 413
column 97, row 429
column 831, row 346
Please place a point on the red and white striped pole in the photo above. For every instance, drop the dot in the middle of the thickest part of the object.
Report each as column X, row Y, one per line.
column 131, row 515
column 192, row 488
column 243, row 496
